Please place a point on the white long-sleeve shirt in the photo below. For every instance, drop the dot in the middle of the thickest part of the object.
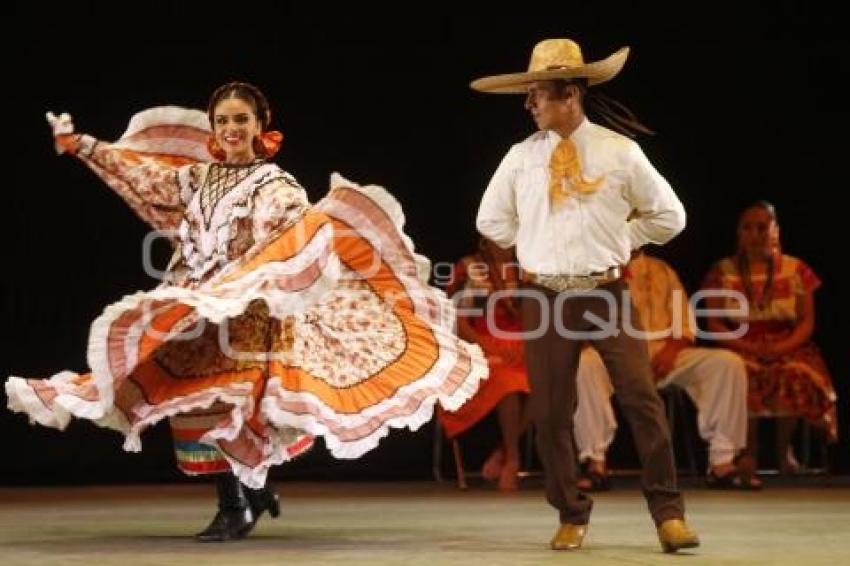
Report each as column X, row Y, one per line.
column 583, row 233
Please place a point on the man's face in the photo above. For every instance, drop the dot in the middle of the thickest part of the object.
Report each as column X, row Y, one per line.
column 549, row 109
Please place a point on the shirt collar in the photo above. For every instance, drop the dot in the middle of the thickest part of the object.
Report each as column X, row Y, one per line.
column 578, row 136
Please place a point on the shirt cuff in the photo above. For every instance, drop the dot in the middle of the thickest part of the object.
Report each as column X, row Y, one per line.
column 86, row 145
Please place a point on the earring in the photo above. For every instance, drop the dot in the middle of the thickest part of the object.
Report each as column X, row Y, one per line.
column 258, row 146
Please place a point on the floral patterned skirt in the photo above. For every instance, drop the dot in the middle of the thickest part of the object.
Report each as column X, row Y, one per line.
column 329, row 331
column 797, row 384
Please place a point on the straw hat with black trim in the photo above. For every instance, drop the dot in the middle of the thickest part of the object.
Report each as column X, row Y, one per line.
column 554, row 59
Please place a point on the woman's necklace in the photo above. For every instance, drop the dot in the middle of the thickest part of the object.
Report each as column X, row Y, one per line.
column 766, row 294
column 220, row 180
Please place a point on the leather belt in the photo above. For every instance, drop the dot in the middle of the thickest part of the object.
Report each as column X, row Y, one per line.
column 563, row 282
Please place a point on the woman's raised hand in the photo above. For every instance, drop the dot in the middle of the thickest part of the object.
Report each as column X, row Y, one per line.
column 63, row 127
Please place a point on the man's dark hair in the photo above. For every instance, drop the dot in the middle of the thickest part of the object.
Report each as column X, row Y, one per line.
column 604, row 108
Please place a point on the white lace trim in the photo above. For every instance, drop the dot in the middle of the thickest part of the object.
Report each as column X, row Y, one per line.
column 21, row 398
column 215, row 241
column 167, row 116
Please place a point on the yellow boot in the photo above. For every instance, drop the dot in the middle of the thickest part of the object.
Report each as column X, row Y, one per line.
column 568, row 537
column 675, row 534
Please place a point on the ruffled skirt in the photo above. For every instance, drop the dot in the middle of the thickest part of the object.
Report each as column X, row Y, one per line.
column 330, row 330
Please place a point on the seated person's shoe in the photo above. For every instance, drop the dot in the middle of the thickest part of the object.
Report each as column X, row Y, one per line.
column 508, row 477
column 788, row 464
column 735, row 480
column 675, row 534
column 748, row 470
column 593, row 477
column 492, row 468
column 568, row 537
column 592, row 481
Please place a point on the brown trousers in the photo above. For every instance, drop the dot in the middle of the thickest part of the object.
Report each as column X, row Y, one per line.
column 552, row 361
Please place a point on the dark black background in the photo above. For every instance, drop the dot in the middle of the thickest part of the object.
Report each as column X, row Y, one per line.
column 745, row 103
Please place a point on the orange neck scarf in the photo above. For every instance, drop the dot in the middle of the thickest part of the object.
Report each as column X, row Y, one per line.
column 565, row 175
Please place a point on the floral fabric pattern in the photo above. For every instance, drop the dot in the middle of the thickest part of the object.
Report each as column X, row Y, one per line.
column 799, row 382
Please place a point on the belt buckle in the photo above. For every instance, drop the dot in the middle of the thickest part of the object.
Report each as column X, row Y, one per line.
column 563, row 283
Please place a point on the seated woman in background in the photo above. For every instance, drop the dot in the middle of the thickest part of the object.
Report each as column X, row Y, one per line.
column 787, row 375
column 488, row 270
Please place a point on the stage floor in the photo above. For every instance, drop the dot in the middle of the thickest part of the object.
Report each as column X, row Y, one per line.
column 413, row 523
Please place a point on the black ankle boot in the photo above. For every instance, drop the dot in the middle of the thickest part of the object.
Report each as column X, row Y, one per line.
column 260, row 500
column 234, row 518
